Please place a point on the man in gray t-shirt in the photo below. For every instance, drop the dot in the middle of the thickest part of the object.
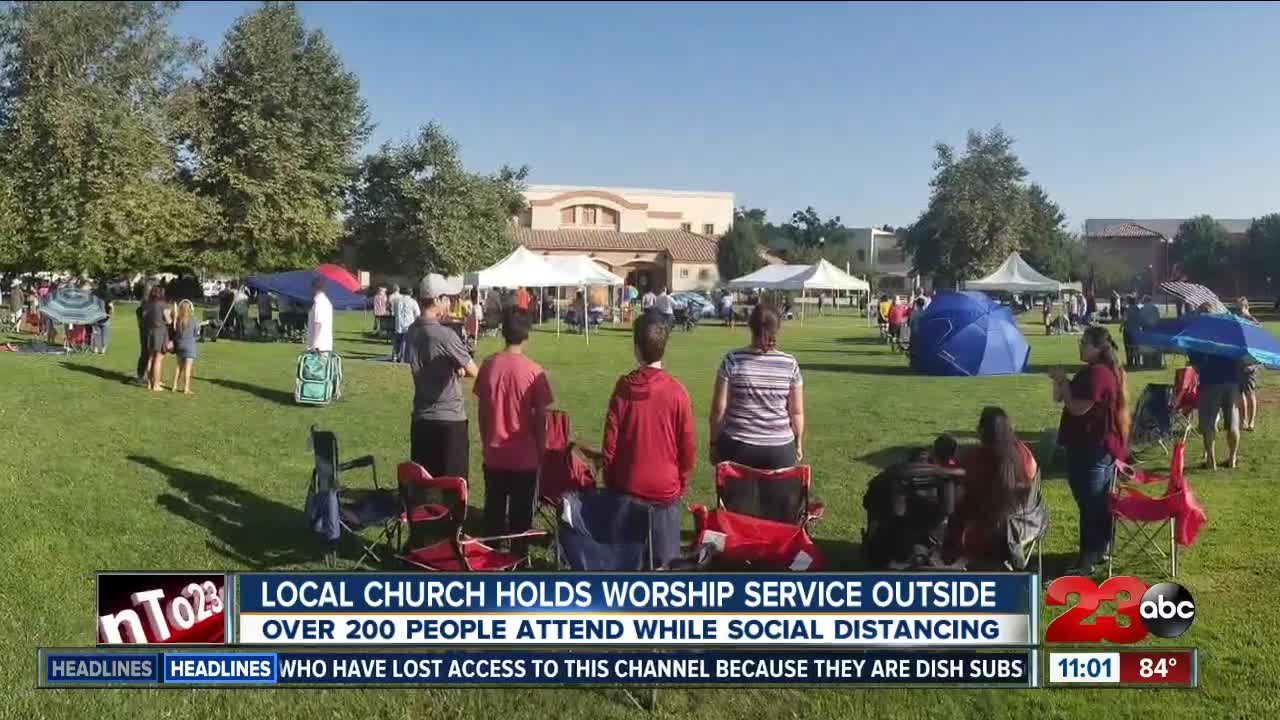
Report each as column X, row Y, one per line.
column 438, row 428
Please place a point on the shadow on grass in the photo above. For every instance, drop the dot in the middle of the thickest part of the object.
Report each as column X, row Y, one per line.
column 863, row 340
column 280, row 397
column 101, row 372
column 245, row 527
column 902, row 369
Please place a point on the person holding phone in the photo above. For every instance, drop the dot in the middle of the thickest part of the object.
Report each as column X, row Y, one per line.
column 1094, row 429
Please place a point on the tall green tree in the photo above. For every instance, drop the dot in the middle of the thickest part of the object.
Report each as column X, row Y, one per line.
column 1201, row 247
column 87, row 137
column 415, row 208
column 1263, row 248
column 807, row 230
column 977, row 209
column 1045, row 242
column 755, row 215
column 281, row 122
column 738, row 251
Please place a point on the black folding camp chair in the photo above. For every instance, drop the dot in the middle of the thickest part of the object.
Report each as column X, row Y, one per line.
column 333, row 509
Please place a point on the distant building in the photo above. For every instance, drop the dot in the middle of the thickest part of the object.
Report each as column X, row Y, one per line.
column 878, row 252
column 652, row 238
column 881, row 253
column 1142, row 246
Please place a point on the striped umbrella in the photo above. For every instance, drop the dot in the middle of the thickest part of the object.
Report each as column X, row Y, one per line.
column 70, row 305
column 1194, row 295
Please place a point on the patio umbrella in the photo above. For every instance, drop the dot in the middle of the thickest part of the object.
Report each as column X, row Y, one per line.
column 72, row 306
column 339, row 275
column 1220, row 334
column 1195, row 296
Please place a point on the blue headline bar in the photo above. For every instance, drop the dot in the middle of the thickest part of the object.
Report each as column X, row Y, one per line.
column 1001, row 668
column 666, row 592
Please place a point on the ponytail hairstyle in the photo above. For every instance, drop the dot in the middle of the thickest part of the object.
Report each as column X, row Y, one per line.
column 764, row 323
column 1099, row 338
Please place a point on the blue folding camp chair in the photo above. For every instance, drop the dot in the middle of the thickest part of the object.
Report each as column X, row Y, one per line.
column 604, row 531
column 332, row 509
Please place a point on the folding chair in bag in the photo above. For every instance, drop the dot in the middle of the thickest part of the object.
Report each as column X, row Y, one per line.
column 1139, row 520
column 909, row 506
column 563, row 470
column 332, row 509
column 778, row 495
column 1024, row 531
column 435, row 510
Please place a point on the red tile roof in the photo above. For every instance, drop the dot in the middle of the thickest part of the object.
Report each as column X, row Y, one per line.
column 681, row 245
column 1127, row 230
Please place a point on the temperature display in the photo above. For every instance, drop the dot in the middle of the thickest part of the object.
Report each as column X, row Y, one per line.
column 1170, row 668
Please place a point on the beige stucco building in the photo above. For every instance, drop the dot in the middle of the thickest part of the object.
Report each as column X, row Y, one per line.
column 653, row 238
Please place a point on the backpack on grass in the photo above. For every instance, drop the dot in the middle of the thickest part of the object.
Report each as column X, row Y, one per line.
column 319, row 379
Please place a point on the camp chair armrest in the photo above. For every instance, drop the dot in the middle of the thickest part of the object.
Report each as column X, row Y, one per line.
column 360, row 462
column 513, row 536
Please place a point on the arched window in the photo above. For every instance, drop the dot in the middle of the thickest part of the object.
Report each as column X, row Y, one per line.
column 589, row 216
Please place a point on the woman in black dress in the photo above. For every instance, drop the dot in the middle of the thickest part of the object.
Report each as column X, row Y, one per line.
column 156, row 319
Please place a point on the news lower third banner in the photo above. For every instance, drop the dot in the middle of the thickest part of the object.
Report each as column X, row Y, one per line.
column 667, row 609
column 135, row 667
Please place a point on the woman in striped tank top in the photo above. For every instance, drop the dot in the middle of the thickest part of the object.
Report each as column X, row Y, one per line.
column 757, row 408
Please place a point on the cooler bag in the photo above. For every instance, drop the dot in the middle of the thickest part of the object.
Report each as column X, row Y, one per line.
column 319, row 378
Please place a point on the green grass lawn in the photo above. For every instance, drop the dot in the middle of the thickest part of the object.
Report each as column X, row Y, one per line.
column 101, row 475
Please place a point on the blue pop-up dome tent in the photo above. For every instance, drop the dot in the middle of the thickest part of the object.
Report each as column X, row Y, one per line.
column 296, row 285
column 967, row 333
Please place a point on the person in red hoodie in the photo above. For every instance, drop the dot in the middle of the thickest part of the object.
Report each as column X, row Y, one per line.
column 649, row 441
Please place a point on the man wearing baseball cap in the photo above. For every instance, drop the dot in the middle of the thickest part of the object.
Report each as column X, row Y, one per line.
column 438, row 357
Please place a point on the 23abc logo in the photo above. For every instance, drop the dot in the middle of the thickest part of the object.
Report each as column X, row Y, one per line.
column 1165, row 610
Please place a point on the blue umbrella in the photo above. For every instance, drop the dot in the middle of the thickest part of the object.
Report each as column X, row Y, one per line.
column 70, row 305
column 1221, row 334
column 967, row 334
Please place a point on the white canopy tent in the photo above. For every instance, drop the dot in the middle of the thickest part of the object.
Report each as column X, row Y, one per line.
column 522, row 268
column 587, row 272
column 822, row 275
column 1015, row 275
column 766, row 278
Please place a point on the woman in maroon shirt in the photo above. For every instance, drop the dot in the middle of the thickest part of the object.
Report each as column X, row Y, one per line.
column 1094, row 429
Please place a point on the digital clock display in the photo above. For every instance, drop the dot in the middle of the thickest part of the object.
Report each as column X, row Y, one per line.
column 1084, row 667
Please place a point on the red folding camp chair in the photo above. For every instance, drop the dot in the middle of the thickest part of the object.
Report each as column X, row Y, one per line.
column 1186, row 400
column 435, row 510
column 1139, row 520
column 563, row 470
column 730, row 539
column 778, row 495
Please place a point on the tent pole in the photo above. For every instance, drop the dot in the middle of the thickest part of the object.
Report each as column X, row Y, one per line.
column 801, row 307
column 557, row 311
column 586, row 319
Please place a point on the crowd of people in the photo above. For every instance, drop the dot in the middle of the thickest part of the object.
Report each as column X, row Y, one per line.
column 649, row 438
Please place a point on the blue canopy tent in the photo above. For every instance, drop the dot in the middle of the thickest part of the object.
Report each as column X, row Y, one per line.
column 967, row 333
column 1221, row 334
column 296, row 286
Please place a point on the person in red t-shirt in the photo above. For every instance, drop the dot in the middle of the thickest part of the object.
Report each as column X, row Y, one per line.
column 897, row 316
column 522, row 299
column 998, row 475
column 1094, row 429
column 513, row 394
column 649, row 440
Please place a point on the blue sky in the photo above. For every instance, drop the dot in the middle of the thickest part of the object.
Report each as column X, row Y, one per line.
column 1119, row 110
